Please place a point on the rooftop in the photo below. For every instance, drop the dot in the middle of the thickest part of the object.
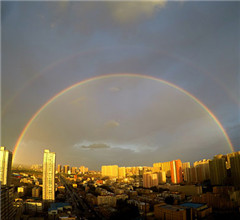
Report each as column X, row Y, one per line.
column 192, row 205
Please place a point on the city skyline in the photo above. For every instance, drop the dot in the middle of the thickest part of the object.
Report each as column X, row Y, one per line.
column 155, row 83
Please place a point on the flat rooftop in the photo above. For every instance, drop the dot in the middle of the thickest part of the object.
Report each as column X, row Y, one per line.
column 192, row 205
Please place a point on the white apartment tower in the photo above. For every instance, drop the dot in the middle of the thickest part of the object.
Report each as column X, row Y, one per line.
column 49, row 176
column 5, row 166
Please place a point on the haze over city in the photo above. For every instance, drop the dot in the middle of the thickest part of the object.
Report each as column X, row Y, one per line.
column 162, row 81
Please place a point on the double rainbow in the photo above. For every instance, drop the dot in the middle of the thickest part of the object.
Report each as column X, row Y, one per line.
column 121, row 75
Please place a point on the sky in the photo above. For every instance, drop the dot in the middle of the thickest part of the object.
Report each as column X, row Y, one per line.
column 128, row 118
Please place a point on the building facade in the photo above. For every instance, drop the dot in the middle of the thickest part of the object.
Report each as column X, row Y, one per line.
column 5, row 166
column 49, row 176
column 176, row 171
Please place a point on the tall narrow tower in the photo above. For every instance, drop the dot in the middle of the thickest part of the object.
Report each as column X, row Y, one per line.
column 5, row 166
column 49, row 176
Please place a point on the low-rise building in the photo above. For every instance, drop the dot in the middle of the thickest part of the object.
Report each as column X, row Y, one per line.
column 33, row 207
column 172, row 212
column 199, row 211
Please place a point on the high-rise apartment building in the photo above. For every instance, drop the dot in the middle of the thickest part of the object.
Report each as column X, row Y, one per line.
column 190, row 175
column 59, row 168
column 110, row 170
column 218, row 170
column 83, row 169
column 150, row 180
column 161, row 177
column 5, row 166
column 176, row 171
column 74, row 170
column 8, row 211
column 122, row 172
column 66, row 168
column 49, row 176
column 165, row 166
column 185, row 165
column 202, row 170
column 235, row 168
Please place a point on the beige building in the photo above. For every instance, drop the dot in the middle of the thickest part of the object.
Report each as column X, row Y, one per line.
column 74, row 170
column 5, row 166
column 122, row 172
column 83, row 169
column 218, row 170
column 110, row 170
column 165, row 166
column 59, row 168
column 150, row 180
column 161, row 177
column 66, row 168
column 49, row 176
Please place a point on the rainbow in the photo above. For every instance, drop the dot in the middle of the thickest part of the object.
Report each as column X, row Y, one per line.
column 120, row 75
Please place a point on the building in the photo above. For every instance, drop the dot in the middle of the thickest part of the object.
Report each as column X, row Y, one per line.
column 202, row 170
column 83, row 169
column 5, row 166
column 22, row 190
column 110, row 170
column 36, row 192
column 165, row 166
column 33, row 207
column 7, row 208
column 150, row 180
column 198, row 173
column 234, row 159
column 66, row 168
column 59, row 168
column 49, row 176
column 161, row 177
column 122, row 172
column 218, row 170
column 185, row 165
column 176, row 171
column 110, row 200
column 199, row 211
column 74, row 170
column 216, row 201
column 172, row 212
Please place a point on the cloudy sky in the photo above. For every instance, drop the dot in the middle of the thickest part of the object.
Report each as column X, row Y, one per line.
column 121, row 119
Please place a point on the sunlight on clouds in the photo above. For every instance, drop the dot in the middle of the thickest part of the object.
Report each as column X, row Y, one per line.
column 133, row 11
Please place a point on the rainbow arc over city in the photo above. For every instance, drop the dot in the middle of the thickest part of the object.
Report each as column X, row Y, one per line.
column 201, row 104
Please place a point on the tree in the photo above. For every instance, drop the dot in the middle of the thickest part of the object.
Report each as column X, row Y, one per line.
column 125, row 211
column 169, row 200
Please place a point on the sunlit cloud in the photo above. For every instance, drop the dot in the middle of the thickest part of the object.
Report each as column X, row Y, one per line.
column 95, row 146
column 126, row 12
column 112, row 124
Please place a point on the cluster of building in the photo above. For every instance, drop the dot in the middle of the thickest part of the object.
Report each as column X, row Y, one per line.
column 167, row 190
column 71, row 170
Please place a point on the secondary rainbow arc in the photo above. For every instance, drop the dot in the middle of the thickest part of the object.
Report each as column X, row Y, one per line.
column 121, row 75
